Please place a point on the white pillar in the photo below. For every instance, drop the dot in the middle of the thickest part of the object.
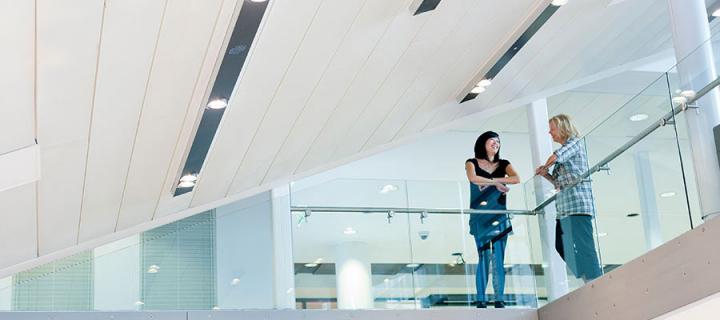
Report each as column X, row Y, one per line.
column 353, row 276
column 541, row 147
column 284, row 270
column 696, row 68
column 648, row 204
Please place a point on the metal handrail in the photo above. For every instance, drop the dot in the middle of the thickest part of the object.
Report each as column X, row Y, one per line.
column 650, row 129
column 408, row 210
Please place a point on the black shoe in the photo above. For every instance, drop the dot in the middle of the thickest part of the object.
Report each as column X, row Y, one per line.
column 499, row 304
column 481, row 304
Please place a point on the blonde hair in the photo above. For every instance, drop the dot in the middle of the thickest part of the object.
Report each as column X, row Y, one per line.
column 567, row 129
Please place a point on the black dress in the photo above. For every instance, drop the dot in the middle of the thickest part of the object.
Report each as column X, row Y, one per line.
column 487, row 228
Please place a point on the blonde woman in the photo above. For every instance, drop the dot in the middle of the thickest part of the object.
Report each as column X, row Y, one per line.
column 575, row 207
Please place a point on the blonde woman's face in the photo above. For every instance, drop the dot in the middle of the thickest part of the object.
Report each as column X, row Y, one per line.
column 555, row 132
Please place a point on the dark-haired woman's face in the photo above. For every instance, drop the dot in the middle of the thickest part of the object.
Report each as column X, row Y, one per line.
column 492, row 146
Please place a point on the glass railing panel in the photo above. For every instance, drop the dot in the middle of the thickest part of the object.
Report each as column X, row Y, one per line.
column 639, row 198
column 352, row 260
column 648, row 106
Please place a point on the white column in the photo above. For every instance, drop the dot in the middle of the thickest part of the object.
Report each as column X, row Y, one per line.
column 284, row 270
column 353, row 276
column 648, row 203
column 541, row 148
column 690, row 29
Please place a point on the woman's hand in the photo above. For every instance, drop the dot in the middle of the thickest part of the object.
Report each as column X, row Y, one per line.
column 541, row 171
column 502, row 188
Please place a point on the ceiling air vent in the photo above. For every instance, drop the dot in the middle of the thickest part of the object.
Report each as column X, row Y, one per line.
column 419, row 6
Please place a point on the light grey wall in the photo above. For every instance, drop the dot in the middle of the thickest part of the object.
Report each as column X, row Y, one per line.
column 673, row 275
column 245, row 252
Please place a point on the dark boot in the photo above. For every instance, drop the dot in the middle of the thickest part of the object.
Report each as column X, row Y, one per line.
column 480, row 304
column 499, row 304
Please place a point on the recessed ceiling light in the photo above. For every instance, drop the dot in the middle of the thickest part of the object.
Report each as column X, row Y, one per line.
column 153, row 269
column 217, row 103
column 388, row 188
column 667, row 194
column 258, row 0
column 386, row 280
column 235, row 281
column 602, row 234
column 477, row 90
column 189, row 177
column 638, row 117
column 349, row 231
column 559, row 2
column 483, row 203
column 139, row 303
column 186, row 184
column 632, row 214
column 716, row 13
column 495, row 223
column 412, row 265
column 311, row 265
column 484, row 83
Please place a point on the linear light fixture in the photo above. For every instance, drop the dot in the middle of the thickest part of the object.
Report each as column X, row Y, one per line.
column 243, row 34
column 531, row 30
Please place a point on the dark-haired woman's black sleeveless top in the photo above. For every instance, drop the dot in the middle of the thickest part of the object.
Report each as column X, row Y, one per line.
column 489, row 227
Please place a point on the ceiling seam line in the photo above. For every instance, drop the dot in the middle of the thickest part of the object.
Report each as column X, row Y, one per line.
column 35, row 127
column 90, row 124
column 337, row 106
column 385, row 79
column 312, row 93
column 189, row 107
column 246, row 63
column 140, row 116
column 418, row 75
column 269, row 105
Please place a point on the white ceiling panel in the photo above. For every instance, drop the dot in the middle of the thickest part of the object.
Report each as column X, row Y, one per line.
column 387, row 54
column 18, row 232
column 472, row 41
column 181, row 49
column 371, row 23
column 130, row 33
column 432, row 41
column 264, row 71
column 17, row 80
column 320, row 44
column 67, row 50
column 59, row 195
column 169, row 203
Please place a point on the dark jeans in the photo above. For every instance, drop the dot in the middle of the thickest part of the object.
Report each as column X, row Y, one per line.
column 575, row 243
column 496, row 253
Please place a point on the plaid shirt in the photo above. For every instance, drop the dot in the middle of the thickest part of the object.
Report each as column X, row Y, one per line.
column 570, row 164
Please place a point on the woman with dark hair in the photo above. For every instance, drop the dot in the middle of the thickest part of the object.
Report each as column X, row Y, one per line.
column 488, row 175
